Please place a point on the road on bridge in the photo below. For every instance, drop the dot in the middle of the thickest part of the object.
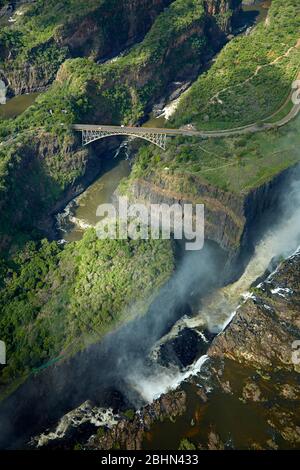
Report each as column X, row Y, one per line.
column 164, row 132
column 252, row 128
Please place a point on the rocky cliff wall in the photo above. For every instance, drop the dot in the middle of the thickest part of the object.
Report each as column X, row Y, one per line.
column 267, row 324
column 28, row 78
column 234, row 221
column 98, row 34
column 224, row 217
column 103, row 33
column 45, row 173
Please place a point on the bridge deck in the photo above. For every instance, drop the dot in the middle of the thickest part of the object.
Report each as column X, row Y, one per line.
column 169, row 132
column 251, row 128
column 129, row 130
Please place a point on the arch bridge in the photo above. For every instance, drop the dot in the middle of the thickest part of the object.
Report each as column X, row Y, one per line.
column 92, row 133
column 158, row 136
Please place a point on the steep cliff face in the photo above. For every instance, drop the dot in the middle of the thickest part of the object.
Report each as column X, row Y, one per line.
column 215, row 7
column 257, row 361
column 45, row 173
column 248, row 395
column 259, row 205
column 267, row 324
column 224, row 215
column 104, row 32
column 232, row 220
column 28, row 78
column 100, row 33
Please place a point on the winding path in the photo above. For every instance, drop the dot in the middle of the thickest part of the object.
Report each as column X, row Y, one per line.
column 90, row 133
column 158, row 136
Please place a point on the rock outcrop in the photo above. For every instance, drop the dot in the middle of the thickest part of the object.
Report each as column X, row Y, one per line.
column 129, row 433
column 224, row 215
column 254, row 371
column 28, row 78
column 215, row 7
column 232, row 220
column 98, row 34
column 267, row 325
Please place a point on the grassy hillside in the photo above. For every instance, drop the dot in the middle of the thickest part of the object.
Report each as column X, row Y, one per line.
column 251, row 77
column 235, row 164
column 55, row 300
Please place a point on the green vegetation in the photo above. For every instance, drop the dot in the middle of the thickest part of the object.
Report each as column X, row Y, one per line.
column 115, row 88
column 113, row 92
column 78, row 446
column 55, row 300
column 30, row 41
column 251, row 77
column 39, row 35
column 31, row 184
column 130, row 414
column 116, row 92
column 236, row 164
column 186, row 444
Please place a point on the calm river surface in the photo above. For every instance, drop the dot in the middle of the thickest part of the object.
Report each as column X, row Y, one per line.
column 17, row 105
column 81, row 212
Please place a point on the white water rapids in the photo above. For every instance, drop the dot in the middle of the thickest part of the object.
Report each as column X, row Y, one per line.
column 2, row 92
column 165, row 379
column 219, row 309
column 85, row 413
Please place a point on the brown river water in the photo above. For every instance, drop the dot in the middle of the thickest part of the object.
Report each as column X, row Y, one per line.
column 17, row 105
column 81, row 212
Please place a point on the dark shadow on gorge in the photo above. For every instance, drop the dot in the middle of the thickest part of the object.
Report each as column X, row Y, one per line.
column 100, row 373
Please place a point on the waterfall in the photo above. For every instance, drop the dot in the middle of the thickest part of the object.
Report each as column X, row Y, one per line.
column 3, row 89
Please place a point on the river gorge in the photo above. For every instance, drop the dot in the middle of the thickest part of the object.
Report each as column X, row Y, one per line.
column 168, row 349
column 174, row 375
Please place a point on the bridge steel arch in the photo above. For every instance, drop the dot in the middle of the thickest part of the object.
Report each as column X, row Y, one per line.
column 89, row 136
